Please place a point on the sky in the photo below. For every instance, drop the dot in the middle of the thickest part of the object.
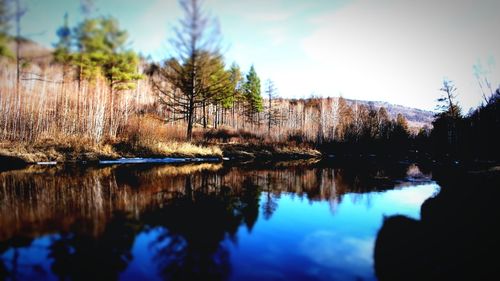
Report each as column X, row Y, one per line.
column 398, row 51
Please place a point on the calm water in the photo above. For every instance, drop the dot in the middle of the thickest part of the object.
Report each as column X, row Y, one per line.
column 201, row 222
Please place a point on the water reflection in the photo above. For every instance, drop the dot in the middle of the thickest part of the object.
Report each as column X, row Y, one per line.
column 198, row 222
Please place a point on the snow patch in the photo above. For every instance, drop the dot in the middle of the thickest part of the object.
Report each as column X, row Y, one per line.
column 156, row 160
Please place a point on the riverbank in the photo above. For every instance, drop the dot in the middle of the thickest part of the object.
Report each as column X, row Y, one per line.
column 267, row 152
column 77, row 150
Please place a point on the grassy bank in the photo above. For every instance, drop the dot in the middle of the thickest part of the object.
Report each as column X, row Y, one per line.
column 76, row 149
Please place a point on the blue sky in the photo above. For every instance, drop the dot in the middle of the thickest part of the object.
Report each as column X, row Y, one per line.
column 391, row 50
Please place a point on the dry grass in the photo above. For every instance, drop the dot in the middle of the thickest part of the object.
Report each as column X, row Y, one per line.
column 150, row 136
column 230, row 135
column 54, row 150
column 144, row 137
column 150, row 128
column 58, row 149
column 188, row 149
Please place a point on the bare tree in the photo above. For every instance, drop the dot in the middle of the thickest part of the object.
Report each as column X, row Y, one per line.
column 273, row 115
column 185, row 83
column 19, row 13
column 447, row 101
column 482, row 78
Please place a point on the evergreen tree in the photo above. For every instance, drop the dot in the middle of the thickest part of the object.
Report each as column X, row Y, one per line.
column 221, row 84
column 236, row 85
column 101, row 45
column 253, row 98
column 90, row 53
column 273, row 115
column 187, row 87
column 102, row 53
column 222, row 87
column 216, row 84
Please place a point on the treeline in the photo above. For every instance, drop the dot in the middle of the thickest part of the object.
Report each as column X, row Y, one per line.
column 469, row 137
column 98, row 89
column 95, row 85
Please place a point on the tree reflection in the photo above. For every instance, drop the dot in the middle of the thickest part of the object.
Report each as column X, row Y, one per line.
column 78, row 256
column 94, row 215
column 270, row 200
column 195, row 224
column 13, row 268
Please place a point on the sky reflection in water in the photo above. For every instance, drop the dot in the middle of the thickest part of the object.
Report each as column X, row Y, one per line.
column 299, row 223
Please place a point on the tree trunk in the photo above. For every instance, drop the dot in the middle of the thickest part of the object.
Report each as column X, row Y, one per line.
column 223, row 117
column 233, row 113
column 204, row 115
column 269, row 117
column 190, row 120
column 216, row 118
column 111, row 107
column 18, row 57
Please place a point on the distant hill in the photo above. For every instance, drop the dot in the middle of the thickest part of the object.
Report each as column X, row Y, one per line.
column 32, row 52
column 417, row 118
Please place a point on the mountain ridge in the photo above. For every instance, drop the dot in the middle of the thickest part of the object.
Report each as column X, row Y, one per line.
column 416, row 117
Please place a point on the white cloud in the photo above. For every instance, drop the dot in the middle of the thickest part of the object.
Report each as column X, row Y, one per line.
column 334, row 251
column 400, row 51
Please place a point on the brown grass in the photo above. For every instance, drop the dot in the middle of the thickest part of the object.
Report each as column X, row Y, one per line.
column 143, row 137
column 58, row 149
column 150, row 136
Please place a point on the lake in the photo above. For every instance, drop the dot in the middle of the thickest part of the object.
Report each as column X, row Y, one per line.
column 210, row 221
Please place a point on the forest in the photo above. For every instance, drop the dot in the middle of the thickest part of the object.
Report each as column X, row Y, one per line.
column 92, row 94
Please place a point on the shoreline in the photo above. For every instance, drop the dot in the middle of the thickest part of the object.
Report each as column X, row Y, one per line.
column 19, row 156
column 16, row 157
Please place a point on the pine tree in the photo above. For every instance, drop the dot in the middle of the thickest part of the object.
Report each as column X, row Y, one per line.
column 221, row 89
column 253, row 98
column 214, row 80
column 236, row 84
column 273, row 115
column 182, row 83
column 222, row 85
column 101, row 44
column 102, row 53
